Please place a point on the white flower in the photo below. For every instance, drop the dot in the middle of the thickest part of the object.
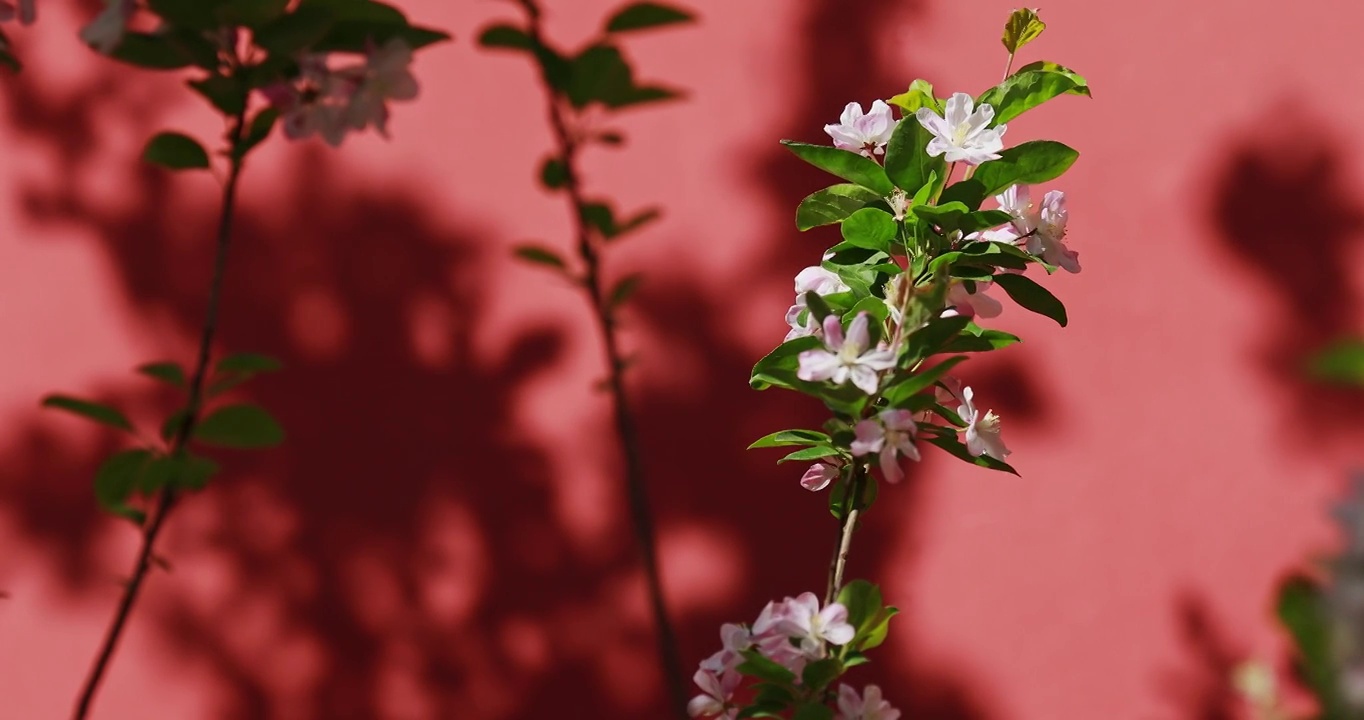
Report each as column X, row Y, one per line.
column 970, row 304
column 386, row 75
column 844, row 360
column 865, row 134
column 961, row 134
column 818, row 281
column 811, row 626
column 982, row 430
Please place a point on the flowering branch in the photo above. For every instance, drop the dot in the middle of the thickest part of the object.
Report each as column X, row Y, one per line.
column 599, row 75
column 183, row 430
column 284, row 60
column 874, row 331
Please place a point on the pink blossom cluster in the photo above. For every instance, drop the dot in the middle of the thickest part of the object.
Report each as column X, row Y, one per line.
column 331, row 103
column 791, row 633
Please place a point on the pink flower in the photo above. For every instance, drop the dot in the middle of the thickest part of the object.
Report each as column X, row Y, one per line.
column 864, row 134
column 26, row 11
column 1043, row 230
column 960, row 134
column 820, row 475
column 314, row 103
column 105, row 32
column 734, row 639
column 982, row 430
column 811, row 627
column 890, row 434
column 716, row 694
column 818, row 281
column 771, row 640
column 844, row 360
column 970, row 304
column 386, row 75
column 867, row 706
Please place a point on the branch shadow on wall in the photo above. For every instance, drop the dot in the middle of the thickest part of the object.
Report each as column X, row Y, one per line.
column 1292, row 219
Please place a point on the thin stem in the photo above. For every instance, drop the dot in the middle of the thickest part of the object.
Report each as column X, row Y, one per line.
column 1008, row 67
column 845, row 533
column 166, row 502
column 636, row 488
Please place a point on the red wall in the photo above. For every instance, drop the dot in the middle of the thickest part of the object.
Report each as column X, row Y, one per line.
column 443, row 535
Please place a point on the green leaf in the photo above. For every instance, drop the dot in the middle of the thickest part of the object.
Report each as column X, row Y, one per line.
column 554, row 173
column 779, row 366
column 599, row 74
column 845, row 164
column 1032, row 296
column 813, row 711
column 541, row 256
column 506, row 37
column 172, row 425
column 763, row 668
column 248, row 363
column 623, row 291
column 644, row 15
column 1081, row 85
column 118, row 477
column 919, row 95
column 193, row 14
column 1024, row 91
column 811, row 453
column 257, row 132
column 226, row 94
column 637, row 221
column 832, row 205
column 239, row 426
column 252, row 13
column 907, row 162
column 877, row 630
column 1028, row 163
column 954, row 447
column 790, row 437
column 194, row 472
column 103, row 414
column 977, row 339
column 863, row 601
column 153, row 52
column 898, row 394
column 1302, row 610
column 1342, row 362
column 928, row 339
column 167, row 372
column 176, row 152
column 870, row 228
column 818, row 674
column 156, row 474
column 1022, row 28
column 297, row 31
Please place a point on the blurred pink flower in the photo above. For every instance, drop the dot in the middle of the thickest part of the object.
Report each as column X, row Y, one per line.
column 971, row 304
column 867, row 706
column 819, row 476
column 716, row 693
column 105, row 32
column 26, row 11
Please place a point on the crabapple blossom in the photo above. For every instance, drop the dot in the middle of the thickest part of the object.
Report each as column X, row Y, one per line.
column 1042, row 230
column 969, row 304
column 850, row 359
column 866, row 134
column 717, row 691
column 811, row 626
column 386, row 75
column 105, row 32
column 960, row 133
column 867, row 706
column 734, row 639
column 25, row 11
column 982, row 429
column 818, row 281
column 820, row 475
column 890, row 434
